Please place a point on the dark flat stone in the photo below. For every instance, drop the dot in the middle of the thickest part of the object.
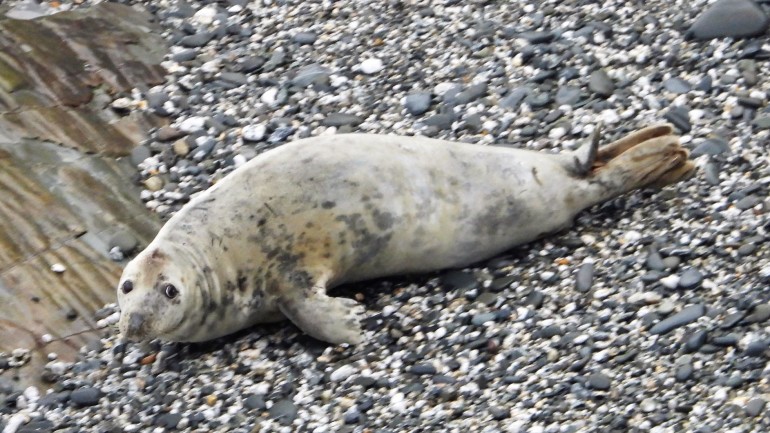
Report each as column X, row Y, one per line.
column 730, row 18
column 687, row 315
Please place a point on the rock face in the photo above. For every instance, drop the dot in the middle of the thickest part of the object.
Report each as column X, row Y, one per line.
column 63, row 195
column 50, row 70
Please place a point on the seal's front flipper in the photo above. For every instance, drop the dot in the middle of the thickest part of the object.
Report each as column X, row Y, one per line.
column 334, row 320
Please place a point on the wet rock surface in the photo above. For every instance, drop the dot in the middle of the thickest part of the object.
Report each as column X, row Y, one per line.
column 65, row 201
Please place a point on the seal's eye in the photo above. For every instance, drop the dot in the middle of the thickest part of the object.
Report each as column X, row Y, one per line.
column 127, row 286
column 170, row 291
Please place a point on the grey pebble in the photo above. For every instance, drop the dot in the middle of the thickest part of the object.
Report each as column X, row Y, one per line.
column 687, row 315
column 440, row 120
column 471, row 93
column 86, row 396
column 732, row 319
column 680, row 117
column 755, row 406
column 584, row 277
column 280, row 134
column 711, row 146
column 757, row 347
column 567, row 95
column 139, row 154
column 677, row 85
column 340, row 119
column 499, row 413
column 759, row 314
column 480, row 319
column 761, row 122
column 695, row 340
column 457, row 280
column 735, row 380
column 683, row 372
column 654, row 261
column 671, row 262
column 690, row 279
column 711, row 173
column 236, row 78
column 600, row 83
column 725, row 340
column 184, row 55
column 747, row 202
column 423, row 369
column 417, row 103
column 256, row 401
column 310, row 74
column 536, row 37
column 124, row 240
column 515, row 97
column 734, row 18
column 197, row 40
column 283, row 411
column 168, row 420
column 539, row 100
column 352, row 416
column 305, row 38
column 599, row 381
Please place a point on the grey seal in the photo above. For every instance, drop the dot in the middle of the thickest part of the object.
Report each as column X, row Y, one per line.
column 267, row 241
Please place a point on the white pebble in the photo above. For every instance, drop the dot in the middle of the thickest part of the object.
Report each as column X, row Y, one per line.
column 630, row 237
column 109, row 320
column 239, row 160
column 648, row 405
column 254, row 132
column 205, row 15
column 397, row 403
column 388, row 310
column 116, row 254
column 670, row 282
column 32, row 394
column 15, row 422
column 557, row 133
column 192, row 124
column 441, row 88
column 269, row 97
column 342, row 373
column 58, row 268
column 609, row 117
column 371, row 66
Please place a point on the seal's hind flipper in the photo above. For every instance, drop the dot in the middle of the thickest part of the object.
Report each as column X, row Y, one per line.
column 649, row 157
column 584, row 157
column 334, row 320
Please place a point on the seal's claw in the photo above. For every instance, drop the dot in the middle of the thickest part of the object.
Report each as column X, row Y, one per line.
column 334, row 320
column 585, row 156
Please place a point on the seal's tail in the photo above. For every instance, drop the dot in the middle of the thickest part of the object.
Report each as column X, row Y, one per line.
column 649, row 157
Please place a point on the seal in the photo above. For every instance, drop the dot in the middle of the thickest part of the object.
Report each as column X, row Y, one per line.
column 267, row 241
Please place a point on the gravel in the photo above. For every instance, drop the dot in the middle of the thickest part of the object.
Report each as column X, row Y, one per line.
column 649, row 315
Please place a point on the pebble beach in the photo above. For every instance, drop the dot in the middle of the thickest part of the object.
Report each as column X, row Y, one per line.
column 650, row 314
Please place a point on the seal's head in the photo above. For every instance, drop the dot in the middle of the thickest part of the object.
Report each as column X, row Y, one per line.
column 153, row 295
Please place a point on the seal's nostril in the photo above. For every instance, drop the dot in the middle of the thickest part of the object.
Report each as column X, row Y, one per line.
column 127, row 286
column 135, row 323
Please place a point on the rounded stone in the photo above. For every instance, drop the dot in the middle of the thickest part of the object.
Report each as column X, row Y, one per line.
column 599, row 381
column 730, row 18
